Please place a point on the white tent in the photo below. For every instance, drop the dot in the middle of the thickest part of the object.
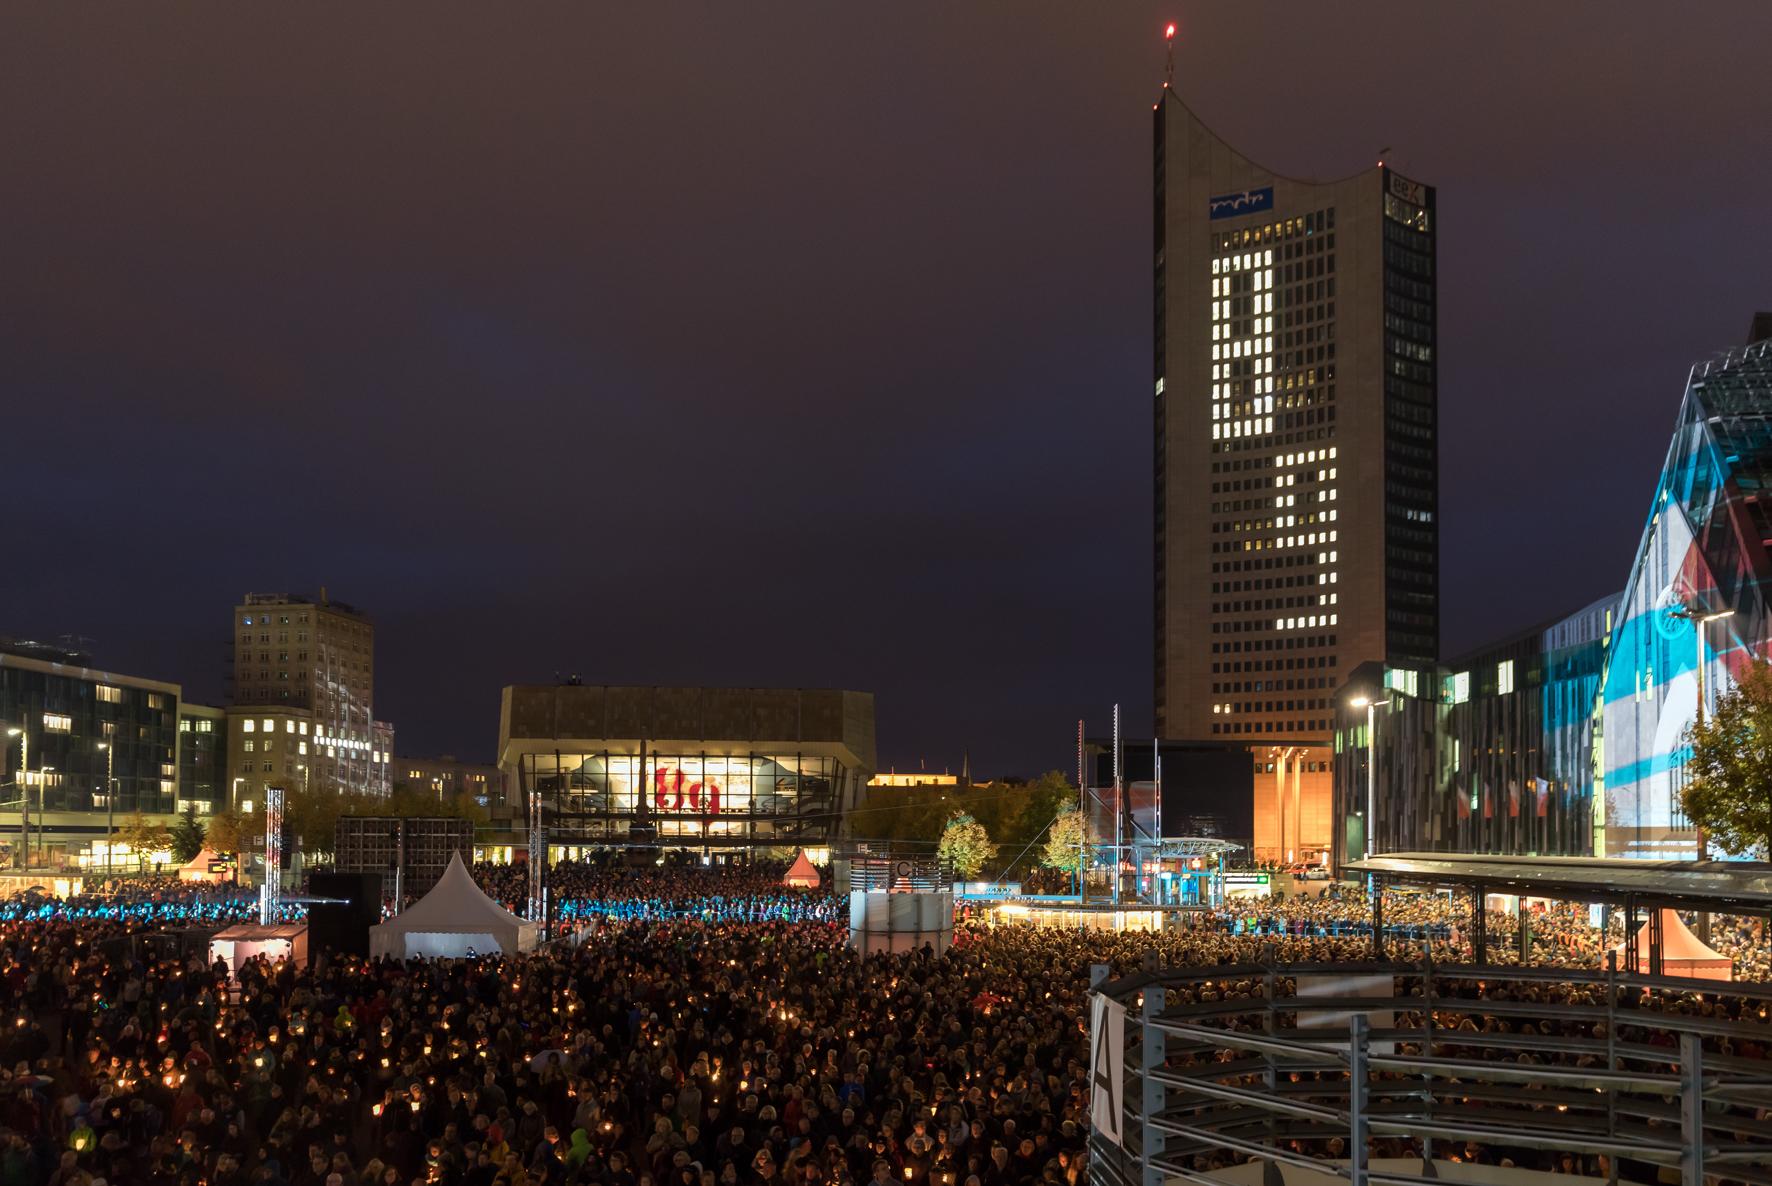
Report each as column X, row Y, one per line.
column 197, row 868
column 454, row 919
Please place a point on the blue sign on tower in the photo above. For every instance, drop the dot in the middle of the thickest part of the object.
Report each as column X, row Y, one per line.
column 1247, row 201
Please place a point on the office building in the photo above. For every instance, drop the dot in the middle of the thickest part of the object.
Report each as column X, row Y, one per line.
column 1491, row 752
column 84, row 751
column 202, row 758
column 304, row 673
column 448, row 776
column 697, row 768
column 1295, row 416
column 918, row 778
column 1572, row 739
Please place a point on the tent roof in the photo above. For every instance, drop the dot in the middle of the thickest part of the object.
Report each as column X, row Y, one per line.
column 1679, row 943
column 802, row 870
column 455, row 903
column 200, row 862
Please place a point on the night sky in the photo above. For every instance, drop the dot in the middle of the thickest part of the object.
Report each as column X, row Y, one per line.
column 792, row 344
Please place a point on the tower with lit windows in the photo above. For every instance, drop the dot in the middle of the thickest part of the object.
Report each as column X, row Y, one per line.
column 1295, row 412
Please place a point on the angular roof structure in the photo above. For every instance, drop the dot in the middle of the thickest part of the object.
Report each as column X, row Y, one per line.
column 1698, row 600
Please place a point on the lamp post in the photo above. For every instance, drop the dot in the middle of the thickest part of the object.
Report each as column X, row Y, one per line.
column 110, row 804
column 1371, row 707
column 1699, row 622
column 18, row 781
column 43, row 773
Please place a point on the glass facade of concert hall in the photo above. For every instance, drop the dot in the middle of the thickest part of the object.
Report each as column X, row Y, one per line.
column 693, row 767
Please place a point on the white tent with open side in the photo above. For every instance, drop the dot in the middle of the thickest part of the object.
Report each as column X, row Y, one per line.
column 803, row 875
column 455, row 919
column 197, row 868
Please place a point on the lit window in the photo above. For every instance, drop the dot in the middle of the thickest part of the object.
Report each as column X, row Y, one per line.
column 110, row 695
column 248, row 726
column 55, row 722
column 1504, row 676
column 270, row 726
column 288, row 726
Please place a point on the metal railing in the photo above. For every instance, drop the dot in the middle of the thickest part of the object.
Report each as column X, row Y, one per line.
column 1230, row 1061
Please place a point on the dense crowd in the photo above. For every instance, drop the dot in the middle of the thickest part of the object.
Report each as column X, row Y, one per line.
column 714, row 1030
column 679, row 890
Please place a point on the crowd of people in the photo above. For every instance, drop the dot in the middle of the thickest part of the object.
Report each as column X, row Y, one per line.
column 679, row 889
column 715, row 1029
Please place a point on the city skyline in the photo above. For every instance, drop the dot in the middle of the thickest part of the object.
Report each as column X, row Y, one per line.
column 543, row 398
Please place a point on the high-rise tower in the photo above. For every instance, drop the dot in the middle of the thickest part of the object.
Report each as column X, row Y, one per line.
column 1296, row 422
column 303, row 698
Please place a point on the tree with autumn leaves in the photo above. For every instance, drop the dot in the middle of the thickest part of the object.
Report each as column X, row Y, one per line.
column 1728, row 794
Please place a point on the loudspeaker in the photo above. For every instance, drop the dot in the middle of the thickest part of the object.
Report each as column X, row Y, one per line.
column 343, row 928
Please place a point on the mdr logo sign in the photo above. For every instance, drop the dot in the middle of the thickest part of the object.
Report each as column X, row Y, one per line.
column 1107, row 1067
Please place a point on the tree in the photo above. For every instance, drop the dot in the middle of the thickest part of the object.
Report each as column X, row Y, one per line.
column 187, row 836
column 418, row 800
column 1067, row 841
column 1728, row 794
column 144, row 838
column 230, row 832
column 965, row 845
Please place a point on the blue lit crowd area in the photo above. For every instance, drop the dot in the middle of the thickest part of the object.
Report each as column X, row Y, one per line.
column 686, row 1025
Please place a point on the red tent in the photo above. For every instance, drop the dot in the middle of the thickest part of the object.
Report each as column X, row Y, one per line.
column 802, row 875
column 1682, row 953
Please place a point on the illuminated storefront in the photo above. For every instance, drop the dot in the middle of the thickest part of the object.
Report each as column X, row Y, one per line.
column 698, row 768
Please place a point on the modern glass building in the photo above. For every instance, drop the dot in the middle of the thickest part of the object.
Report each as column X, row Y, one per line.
column 1492, row 752
column 1572, row 739
column 700, row 768
column 84, row 749
column 1695, row 610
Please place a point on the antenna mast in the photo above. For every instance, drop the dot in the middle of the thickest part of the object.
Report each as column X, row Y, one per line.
column 1169, row 55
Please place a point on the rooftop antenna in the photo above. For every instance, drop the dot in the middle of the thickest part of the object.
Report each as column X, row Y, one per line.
column 1382, row 153
column 1169, row 55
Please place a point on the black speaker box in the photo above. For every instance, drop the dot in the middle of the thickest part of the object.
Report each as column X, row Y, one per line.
column 344, row 927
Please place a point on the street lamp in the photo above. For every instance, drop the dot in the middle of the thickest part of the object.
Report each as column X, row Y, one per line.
column 110, row 804
column 18, row 782
column 1371, row 707
column 1699, row 622
column 43, row 773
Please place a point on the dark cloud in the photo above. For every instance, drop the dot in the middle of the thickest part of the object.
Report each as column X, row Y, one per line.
column 795, row 343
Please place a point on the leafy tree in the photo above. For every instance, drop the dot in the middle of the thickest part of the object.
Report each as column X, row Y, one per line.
column 187, row 836
column 416, row 800
column 1066, row 841
column 145, row 838
column 910, row 816
column 965, row 845
column 1729, row 795
column 230, row 832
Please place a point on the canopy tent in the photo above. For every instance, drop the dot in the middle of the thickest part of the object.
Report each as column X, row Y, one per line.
column 802, row 875
column 1682, row 953
column 197, row 868
column 455, row 919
